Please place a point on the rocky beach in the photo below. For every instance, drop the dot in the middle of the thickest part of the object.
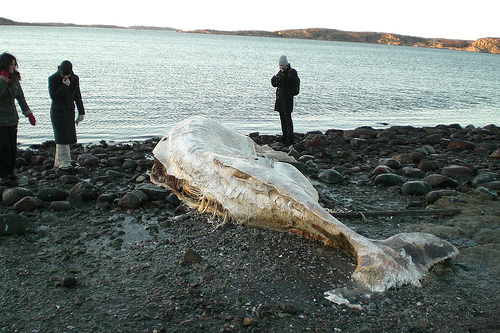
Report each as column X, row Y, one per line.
column 101, row 249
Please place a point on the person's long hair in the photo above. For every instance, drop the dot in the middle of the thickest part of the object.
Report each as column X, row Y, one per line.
column 5, row 62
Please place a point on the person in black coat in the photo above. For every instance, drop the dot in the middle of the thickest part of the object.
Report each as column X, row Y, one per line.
column 286, row 82
column 64, row 90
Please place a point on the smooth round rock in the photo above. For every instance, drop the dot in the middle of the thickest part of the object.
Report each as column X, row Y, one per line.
column 387, row 179
column 331, row 176
column 416, row 188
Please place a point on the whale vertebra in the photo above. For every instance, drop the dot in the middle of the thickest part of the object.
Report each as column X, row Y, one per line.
column 224, row 172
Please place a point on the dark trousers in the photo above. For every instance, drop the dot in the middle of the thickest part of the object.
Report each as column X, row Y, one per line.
column 286, row 126
column 8, row 150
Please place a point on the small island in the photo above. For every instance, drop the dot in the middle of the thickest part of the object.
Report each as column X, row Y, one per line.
column 4, row 21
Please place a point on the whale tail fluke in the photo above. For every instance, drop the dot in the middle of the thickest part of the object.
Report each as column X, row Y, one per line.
column 401, row 259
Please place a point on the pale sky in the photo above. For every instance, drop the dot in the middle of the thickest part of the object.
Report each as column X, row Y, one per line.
column 453, row 19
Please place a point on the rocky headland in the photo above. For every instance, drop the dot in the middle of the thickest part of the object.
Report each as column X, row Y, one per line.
column 100, row 248
column 484, row 45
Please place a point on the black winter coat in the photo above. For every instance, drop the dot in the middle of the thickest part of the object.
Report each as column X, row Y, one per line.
column 285, row 82
column 62, row 109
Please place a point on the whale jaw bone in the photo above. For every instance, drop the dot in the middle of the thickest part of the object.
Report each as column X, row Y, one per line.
column 225, row 173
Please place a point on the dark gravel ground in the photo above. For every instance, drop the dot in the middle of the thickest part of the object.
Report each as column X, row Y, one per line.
column 166, row 268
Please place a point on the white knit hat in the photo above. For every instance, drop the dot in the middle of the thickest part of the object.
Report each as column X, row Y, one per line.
column 283, row 61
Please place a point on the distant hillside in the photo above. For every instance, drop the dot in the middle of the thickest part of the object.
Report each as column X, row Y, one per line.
column 4, row 21
column 485, row 45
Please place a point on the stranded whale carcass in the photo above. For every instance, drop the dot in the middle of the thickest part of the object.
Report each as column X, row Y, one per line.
column 226, row 173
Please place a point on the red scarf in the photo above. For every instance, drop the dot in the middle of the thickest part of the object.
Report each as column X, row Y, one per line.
column 9, row 76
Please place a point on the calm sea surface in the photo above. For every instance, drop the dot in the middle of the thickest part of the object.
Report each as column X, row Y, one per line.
column 138, row 84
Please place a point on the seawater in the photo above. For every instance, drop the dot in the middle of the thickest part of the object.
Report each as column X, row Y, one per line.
column 137, row 84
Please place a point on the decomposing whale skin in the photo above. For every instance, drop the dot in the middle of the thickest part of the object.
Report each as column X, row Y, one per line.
column 224, row 172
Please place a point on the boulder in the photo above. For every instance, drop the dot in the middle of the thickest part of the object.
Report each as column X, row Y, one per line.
column 88, row 160
column 37, row 160
column 298, row 165
column 495, row 186
column 192, row 257
column 106, row 197
column 330, row 176
column 411, row 172
column 486, row 192
column 315, row 142
column 387, row 179
column 428, row 165
column 416, row 188
column 429, row 149
column 152, row 191
column 418, row 154
column 391, row 163
column 69, row 179
column 111, row 175
column 103, row 206
column 305, row 158
column 403, row 158
column 457, row 171
column 52, row 194
column 293, row 152
column 129, row 164
column 484, row 178
column 381, row 169
column 114, row 162
column 20, row 162
column 495, row 154
column 27, row 204
column 432, row 139
column 434, row 196
column 440, row 181
column 133, row 199
column 361, row 132
column 389, row 134
column 461, row 145
column 84, row 190
column 13, row 224
column 68, row 281
column 12, row 195
column 64, row 172
column 288, row 307
column 60, row 206
column 173, row 199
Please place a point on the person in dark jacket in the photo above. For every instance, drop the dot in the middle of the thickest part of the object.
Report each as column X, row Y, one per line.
column 64, row 90
column 10, row 90
column 285, row 82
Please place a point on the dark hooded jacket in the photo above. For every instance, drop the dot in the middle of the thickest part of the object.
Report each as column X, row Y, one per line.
column 285, row 82
column 62, row 109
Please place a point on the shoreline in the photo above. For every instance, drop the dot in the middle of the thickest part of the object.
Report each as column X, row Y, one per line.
column 102, row 249
column 378, row 127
